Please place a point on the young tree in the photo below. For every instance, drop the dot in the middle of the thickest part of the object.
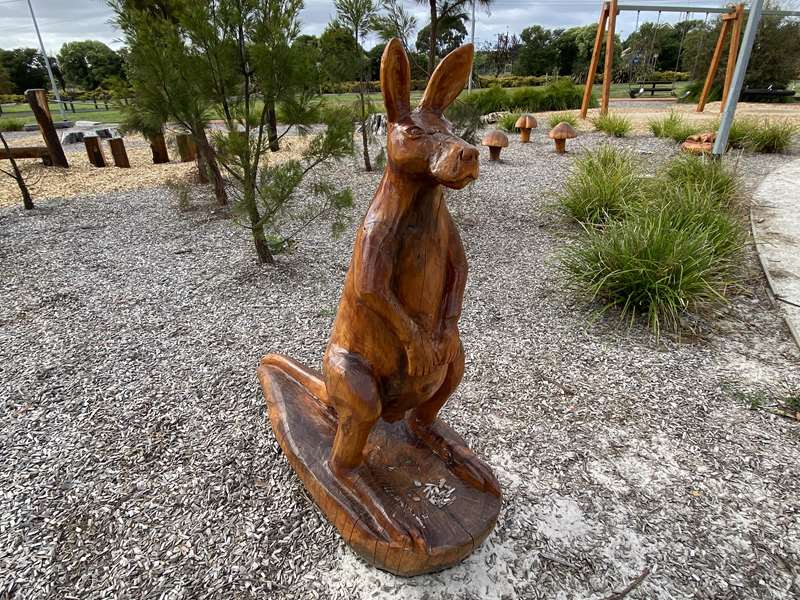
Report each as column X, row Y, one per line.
column 240, row 57
column 356, row 16
column 169, row 81
column 17, row 176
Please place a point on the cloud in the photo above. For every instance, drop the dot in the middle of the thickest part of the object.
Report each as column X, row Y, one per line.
column 62, row 21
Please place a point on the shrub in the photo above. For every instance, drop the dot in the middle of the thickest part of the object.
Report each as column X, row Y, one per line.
column 647, row 265
column 530, row 99
column 770, row 137
column 11, row 124
column 614, row 125
column 688, row 171
column 675, row 244
column 508, row 122
column 560, row 95
column 562, row 117
column 466, row 120
column 603, row 187
column 691, row 92
column 674, row 126
column 492, row 99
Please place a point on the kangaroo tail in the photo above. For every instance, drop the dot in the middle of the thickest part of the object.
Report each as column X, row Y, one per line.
column 308, row 378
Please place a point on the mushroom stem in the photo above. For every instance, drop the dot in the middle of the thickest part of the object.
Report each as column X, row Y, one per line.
column 561, row 146
column 494, row 152
column 524, row 135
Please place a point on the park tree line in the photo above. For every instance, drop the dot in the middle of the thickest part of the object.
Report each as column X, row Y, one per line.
column 685, row 46
column 85, row 65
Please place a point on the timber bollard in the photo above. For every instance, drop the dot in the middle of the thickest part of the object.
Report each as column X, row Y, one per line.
column 118, row 153
column 94, row 151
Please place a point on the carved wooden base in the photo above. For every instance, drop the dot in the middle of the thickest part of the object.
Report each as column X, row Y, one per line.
column 414, row 484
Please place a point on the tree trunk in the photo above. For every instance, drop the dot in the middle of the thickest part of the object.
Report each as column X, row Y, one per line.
column 432, row 49
column 205, row 150
column 259, row 238
column 272, row 127
column 27, row 202
column 364, row 136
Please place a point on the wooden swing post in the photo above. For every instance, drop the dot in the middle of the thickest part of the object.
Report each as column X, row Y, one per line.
column 715, row 58
column 598, row 40
column 608, row 67
column 733, row 52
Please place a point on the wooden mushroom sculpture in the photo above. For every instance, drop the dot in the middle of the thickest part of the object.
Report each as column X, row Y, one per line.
column 525, row 123
column 496, row 140
column 561, row 133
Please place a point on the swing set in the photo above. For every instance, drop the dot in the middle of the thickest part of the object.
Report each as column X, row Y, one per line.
column 733, row 18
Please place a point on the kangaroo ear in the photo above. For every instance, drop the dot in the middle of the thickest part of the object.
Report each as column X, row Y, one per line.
column 448, row 79
column 396, row 81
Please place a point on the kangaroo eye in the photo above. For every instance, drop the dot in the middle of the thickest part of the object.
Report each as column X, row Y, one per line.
column 415, row 131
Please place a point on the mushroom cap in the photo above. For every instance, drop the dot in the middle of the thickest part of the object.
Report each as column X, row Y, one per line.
column 526, row 122
column 562, row 131
column 495, row 138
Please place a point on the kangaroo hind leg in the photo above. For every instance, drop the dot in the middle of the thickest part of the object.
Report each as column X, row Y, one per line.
column 354, row 393
column 461, row 461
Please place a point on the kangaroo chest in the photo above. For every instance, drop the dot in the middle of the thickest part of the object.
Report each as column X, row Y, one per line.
column 421, row 264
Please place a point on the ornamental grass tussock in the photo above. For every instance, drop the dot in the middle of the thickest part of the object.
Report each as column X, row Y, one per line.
column 669, row 248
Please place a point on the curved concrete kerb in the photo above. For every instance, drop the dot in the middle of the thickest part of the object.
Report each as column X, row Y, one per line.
column 775, row 220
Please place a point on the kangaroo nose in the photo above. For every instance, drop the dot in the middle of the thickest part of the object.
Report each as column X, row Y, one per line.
column 469, row 154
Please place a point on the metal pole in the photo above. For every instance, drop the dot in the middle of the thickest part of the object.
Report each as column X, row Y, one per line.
column 472, row 39
column 47, row 63
column 721, row 142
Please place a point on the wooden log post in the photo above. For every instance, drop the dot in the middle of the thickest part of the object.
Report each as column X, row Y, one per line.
column 158, row 146
column 590, row 76
column 186, row 147
column 24, row 152
column 733, row 52
column 712, row 68
column 37, row 99
column 118, row 153
column 94, row 151
column 608, row 68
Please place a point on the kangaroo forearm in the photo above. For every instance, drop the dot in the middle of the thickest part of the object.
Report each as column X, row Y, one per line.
column 389, row 308
column 455, row 296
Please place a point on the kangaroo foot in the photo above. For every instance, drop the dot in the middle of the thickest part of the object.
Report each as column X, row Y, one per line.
column 391, row 528
column 461, row 461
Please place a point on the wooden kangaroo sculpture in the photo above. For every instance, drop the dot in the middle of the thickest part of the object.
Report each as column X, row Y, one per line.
column 395, row 356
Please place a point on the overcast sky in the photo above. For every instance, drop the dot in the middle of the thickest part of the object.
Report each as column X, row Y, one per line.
column 66, row 20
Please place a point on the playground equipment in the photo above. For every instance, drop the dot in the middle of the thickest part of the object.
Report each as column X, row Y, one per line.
column 732, row 22
column 51, row 153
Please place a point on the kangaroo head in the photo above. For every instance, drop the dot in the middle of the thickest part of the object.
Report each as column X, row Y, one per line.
column 421, row 142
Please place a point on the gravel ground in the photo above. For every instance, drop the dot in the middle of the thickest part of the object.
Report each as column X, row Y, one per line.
column 136, row 459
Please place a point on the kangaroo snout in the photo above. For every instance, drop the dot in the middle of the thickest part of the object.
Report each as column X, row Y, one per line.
column 456, row 166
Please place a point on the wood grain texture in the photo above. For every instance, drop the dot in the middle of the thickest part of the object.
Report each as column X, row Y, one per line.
column 94, row 151
column 37, row 99
column 712, row 68
column 118, row 153
column 394, row 354
column 590, row 77
column 395, row 463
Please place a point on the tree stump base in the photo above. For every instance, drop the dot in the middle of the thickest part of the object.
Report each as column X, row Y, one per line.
column 414, row 484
